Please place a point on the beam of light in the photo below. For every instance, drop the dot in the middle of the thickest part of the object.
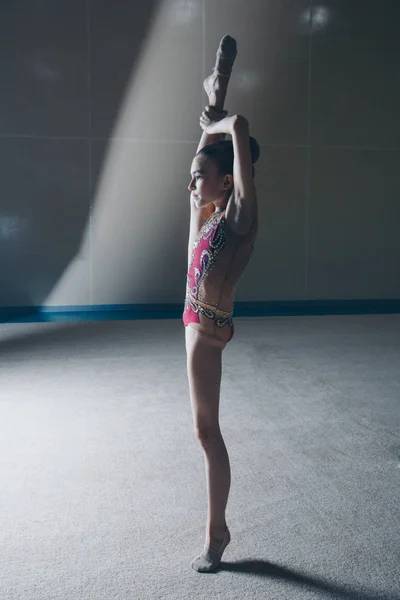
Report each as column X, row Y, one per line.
column 43, row 70
column 314, row 19
column 184, row 11
column 12, row 227
column 248, row 81
column 130, row 204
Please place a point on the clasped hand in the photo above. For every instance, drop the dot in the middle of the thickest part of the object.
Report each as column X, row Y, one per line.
column 213, row 122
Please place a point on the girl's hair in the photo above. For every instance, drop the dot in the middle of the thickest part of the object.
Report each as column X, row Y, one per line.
column 222, row 153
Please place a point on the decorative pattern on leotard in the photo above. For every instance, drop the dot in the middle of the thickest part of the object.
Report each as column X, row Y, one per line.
column 215, row 243
column 212, row 240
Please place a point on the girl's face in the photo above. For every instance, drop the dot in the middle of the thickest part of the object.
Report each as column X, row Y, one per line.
column 206, row 186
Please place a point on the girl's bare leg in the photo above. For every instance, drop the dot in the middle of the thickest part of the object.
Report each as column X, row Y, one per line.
column 204, row 364
column 205, row 369
column 216, row 84
column 218, row 474
column 216, row 456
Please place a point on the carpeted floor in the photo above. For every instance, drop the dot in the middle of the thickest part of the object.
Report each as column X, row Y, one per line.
column 102, row 483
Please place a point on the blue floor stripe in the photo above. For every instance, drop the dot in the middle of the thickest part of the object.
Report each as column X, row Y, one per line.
column 106, row 312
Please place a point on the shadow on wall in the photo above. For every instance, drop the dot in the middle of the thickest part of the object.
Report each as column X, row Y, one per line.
column 48, row 127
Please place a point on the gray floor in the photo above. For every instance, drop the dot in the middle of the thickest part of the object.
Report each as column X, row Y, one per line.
column 102, row 484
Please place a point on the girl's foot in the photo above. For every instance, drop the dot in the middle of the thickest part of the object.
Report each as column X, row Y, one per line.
column 211, row 556
column 216, row 84
column 215, row 87
column 226, row 55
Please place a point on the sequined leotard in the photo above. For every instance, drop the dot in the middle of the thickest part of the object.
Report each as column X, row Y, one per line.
column 217, row 262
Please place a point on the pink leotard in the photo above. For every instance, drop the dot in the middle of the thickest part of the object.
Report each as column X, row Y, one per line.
column 217, row 262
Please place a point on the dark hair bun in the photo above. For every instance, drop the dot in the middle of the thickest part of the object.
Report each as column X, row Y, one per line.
column 254, row 149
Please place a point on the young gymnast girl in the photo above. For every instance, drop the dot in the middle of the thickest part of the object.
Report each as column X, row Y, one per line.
column 223, row 229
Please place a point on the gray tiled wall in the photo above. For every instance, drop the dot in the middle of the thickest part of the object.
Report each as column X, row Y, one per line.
column 99, row 122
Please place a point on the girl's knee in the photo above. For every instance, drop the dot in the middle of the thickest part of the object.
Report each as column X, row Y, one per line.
column 206, row 433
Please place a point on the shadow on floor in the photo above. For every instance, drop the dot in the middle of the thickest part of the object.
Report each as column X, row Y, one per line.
column 266, row 569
